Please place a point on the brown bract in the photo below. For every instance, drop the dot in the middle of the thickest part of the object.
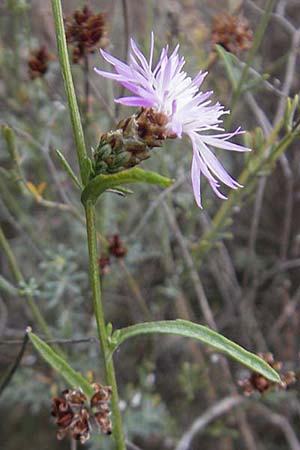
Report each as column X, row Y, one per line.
column 232, row 32
column 258, row 383
column 86, row 32
column 38, row 62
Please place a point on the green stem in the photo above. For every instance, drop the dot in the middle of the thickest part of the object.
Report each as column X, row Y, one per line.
column 7, row 287
column 69, row 87
column 19, row 278
column 98, row 310
column 90, row 221
column 259, row 34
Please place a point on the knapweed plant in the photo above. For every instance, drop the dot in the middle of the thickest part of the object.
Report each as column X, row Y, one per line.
column 169, row 106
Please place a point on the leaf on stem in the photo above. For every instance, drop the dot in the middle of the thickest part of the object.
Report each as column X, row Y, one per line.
column 101, row 183
column 67, row 168
column 73, row 378
column 203, row 334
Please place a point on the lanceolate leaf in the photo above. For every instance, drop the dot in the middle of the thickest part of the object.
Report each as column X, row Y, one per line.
column 73, row 378
column 101, row 183
column 66, row 166
column 203, row 334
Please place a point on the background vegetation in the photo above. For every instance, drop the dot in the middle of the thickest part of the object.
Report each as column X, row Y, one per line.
column 233, row 266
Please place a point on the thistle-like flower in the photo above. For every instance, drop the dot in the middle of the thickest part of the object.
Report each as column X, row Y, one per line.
column 167, row 89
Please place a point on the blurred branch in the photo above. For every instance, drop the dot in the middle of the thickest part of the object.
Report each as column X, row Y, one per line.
column 201, row 296
column 3, row 315
column 91, row 340
column 7, row 287
column 105, row 105
column 13, row 369
column 282, row 267
column 24, row 230
column 213, row 413
column 281, row 422
column 131, row 446
column 155, row 204
column 258, row 36
column 19, row 278
column 286, row 24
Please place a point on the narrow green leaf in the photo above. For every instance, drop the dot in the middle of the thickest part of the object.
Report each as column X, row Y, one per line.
column 74, row 378
column 203, row 334
column 101, row 183
column 9, row 136
column 228, row 62
column 66, row 166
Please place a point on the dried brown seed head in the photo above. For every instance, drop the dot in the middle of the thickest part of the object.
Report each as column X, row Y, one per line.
column 38, row 62
column 116, row 247
column 73, row 413
column 258, row 383
column 232, row 32
column 86, row 32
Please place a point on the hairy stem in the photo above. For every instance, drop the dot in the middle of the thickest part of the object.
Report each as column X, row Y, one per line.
column 102, row 333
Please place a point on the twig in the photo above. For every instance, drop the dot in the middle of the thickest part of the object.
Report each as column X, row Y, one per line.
column 73, row 444
column 289, row 74
column 281, row 422
column 288, row 311
column 201, row 296
column 286, row 24
column 155, row 204
column 222, row 268
column 288, row 214
column 3, row 316
column 282, row 267
column 105, row 105
column 15, row 365
column 20, row 279
column 18, row 226
column 131, row 446
column 54, row 341
column 217, row 410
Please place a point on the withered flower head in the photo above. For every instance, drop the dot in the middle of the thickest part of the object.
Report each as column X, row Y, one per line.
column 74, row 414
column 232, row 32
column 116, row 247
column 38, row 62
column 258, row 383
column 86, row 31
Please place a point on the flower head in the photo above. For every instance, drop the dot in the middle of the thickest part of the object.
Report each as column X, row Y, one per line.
column 167, row 89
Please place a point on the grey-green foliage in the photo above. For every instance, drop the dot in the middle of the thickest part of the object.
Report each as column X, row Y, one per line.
column 61, row 276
